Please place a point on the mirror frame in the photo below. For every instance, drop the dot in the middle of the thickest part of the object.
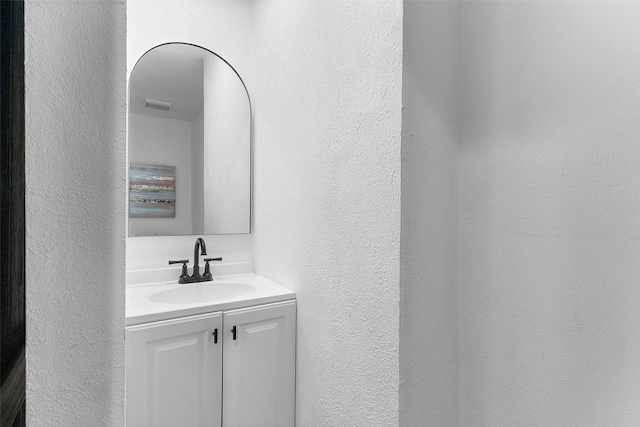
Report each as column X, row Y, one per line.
column 128, row 166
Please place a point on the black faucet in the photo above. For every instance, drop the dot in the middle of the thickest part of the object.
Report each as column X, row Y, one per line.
column 200, row 248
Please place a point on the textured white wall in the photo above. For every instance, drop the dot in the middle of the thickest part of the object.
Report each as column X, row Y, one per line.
column 429, row 250
column 327, row 197
column 75, row 165
column 224, row 27
column 550, row 238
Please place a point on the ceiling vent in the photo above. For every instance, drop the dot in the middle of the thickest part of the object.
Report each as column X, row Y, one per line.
column 159, row 105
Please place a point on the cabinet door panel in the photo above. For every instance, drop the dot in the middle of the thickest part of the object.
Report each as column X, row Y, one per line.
column 174, row 373
column 259, row 366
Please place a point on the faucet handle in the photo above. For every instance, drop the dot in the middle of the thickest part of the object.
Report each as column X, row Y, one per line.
column 185, row 272
column 207, row 270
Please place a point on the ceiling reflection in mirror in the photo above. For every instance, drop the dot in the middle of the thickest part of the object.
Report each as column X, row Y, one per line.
column 189, row 144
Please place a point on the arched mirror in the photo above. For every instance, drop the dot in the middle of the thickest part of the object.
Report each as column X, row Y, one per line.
column 189, row 144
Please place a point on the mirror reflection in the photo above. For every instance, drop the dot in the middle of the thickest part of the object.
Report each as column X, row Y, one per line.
column 189, row 144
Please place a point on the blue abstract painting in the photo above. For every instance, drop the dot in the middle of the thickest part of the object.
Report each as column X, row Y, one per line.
column 152, row 191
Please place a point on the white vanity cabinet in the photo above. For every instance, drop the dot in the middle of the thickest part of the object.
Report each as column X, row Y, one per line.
column 259, row 366
column 233, row 369
column 174, row 372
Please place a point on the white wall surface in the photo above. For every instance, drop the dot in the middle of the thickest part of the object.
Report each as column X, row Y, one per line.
column 429, row 250
column 75, row 212
column 227, row 150
column 161, row 141
column 197, row 172
column 156, row 251
column 550, row 237
column 549, row 243
column 222, row 26
column 327, row 197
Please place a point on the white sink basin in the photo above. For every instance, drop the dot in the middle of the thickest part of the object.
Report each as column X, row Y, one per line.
column 204, row 292
column 158, row 301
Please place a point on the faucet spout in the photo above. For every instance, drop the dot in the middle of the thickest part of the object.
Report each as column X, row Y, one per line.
column 200, row 248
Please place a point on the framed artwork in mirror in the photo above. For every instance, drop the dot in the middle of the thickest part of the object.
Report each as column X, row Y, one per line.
column 152, row 191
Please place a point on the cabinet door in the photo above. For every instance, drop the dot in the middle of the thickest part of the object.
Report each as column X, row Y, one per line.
column 174, row 372
column 259, row 366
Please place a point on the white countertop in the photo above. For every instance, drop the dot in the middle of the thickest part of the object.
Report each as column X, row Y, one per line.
column 141, row 307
